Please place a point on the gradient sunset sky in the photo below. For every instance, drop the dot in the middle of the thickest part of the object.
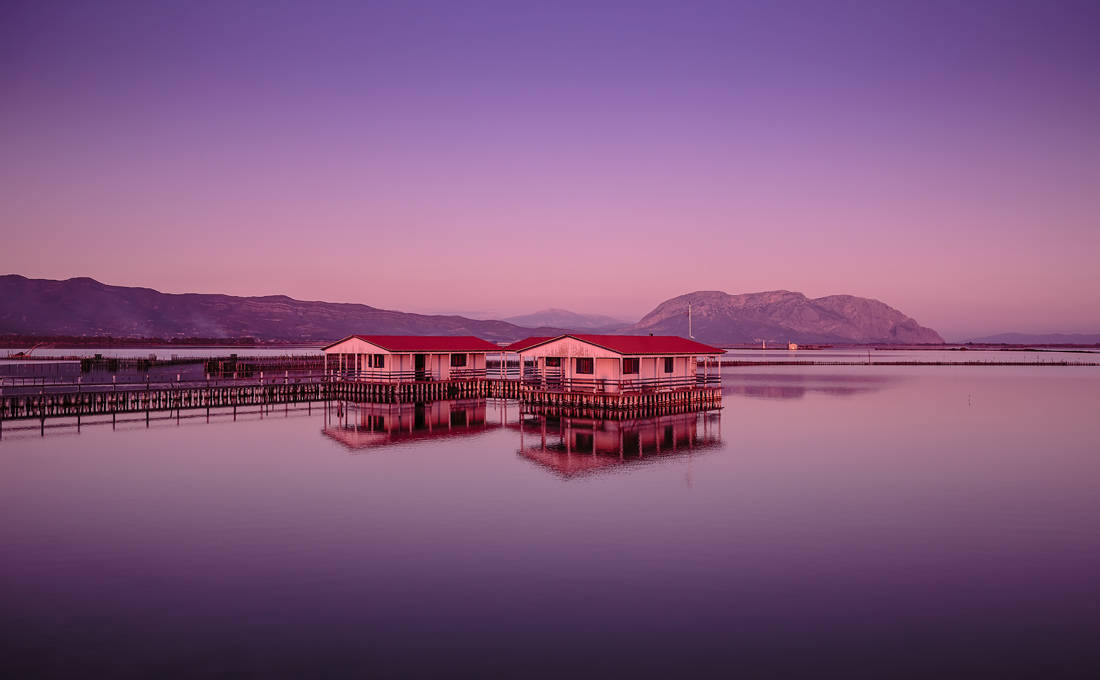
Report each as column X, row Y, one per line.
column 494, row 158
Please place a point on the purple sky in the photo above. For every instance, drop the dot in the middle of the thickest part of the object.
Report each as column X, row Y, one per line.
column 497, row 158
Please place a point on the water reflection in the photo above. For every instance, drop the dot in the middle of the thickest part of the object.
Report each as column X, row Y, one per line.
column 916, row 529
column 783, row 385
column 571, row 446
column 568, row 443
column 361, row 425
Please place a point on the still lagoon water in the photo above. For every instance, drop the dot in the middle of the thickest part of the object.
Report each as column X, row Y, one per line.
column 862, row 521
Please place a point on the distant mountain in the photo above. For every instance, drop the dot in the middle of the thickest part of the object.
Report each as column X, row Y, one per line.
column 84, row 306
column 563, row 318
column 780, row 316
column 1041, row 339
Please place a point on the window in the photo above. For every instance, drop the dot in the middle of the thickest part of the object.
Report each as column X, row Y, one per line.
column 586, row 365
column 379, row 360
column 630, row 366
column 668, row 364
column 458, row 360
column 553, row 362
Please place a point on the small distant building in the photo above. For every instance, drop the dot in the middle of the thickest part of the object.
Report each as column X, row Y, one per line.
column 385, row 358
column 792, row 346
column 616, row 363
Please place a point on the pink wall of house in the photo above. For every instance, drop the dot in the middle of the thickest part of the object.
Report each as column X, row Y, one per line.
column 608, row 364
column 438, row 364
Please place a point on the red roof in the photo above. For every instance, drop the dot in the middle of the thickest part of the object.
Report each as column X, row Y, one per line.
column 639, row 344
column 425, row 343
column 525, row 343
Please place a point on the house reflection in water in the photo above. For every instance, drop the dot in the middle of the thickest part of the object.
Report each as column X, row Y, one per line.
column 572, row 446
column 568, row 443
column 359, row 425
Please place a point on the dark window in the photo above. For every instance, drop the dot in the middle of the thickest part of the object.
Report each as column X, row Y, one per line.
column 553, row 362
column 379, row 361
column 586, row 365
column 668, row 364
column 458, row 360
column 631, row 366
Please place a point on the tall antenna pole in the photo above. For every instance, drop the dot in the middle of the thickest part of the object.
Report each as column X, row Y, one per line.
column 690, row 334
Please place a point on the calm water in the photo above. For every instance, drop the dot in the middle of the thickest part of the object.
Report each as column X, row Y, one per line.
column 862, row 521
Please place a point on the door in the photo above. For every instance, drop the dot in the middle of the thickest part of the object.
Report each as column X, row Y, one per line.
column 419, row 363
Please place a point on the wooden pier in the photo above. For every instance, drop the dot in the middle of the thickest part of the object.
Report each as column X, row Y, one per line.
column 616, row 414
column 51, row 401
column 688, row 398
column 431, row 390
column 87, row 399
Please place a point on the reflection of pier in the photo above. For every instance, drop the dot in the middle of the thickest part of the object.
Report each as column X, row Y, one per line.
column 359, row 425
column 571, row 446
column 569, row 443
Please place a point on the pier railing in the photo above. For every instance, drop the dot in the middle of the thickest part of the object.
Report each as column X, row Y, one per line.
column 23, row 386
column 468, row 373
column 425, row 375
column 624, row 386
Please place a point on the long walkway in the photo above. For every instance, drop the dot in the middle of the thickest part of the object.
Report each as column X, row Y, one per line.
column 85, row 399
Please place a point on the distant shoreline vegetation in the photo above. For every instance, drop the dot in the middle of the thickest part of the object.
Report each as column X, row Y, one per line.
column 17, row 341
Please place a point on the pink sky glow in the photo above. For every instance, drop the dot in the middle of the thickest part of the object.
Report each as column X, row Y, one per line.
column 941, row 158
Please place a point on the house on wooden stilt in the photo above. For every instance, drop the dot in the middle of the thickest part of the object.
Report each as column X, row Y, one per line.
column 408, row 358
column 617, row 364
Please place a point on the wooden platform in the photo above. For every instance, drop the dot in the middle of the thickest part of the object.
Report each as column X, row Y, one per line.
column 687, row 398
column 68, row 400
column 426, row 390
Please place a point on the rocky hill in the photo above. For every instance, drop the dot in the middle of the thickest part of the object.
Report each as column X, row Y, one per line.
column 781, row 316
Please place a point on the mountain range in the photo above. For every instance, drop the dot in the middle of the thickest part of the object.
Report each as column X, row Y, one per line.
column 86, row 307
column 563, row 318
